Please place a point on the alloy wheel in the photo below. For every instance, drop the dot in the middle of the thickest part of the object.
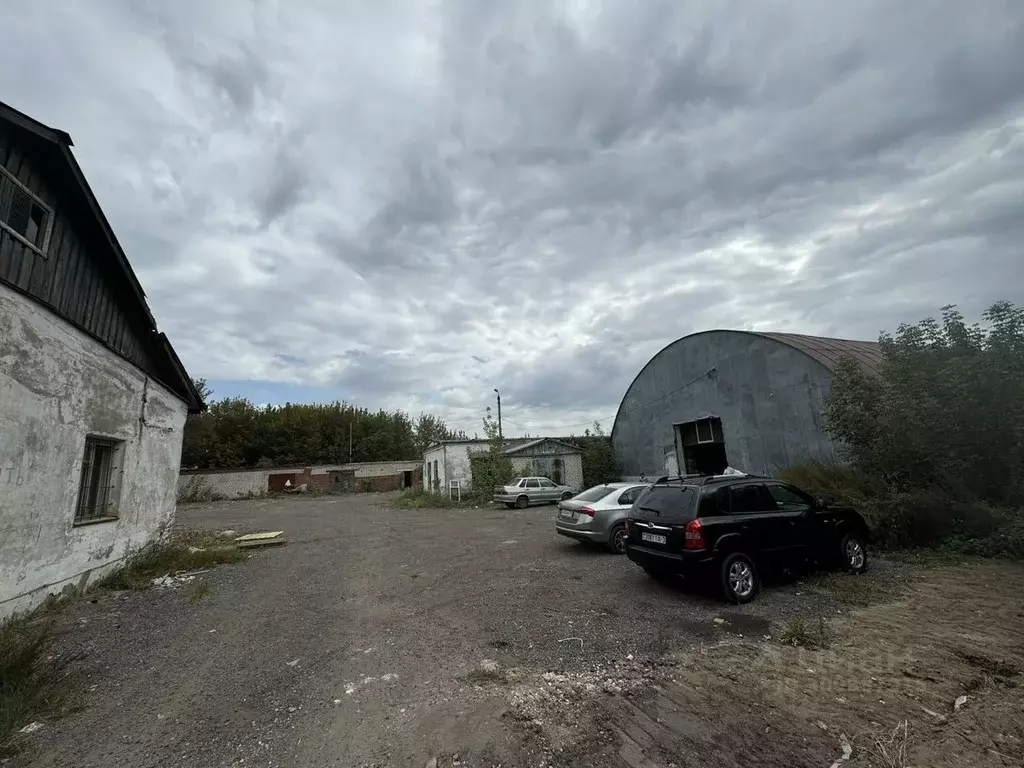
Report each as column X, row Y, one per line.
column 741, row 579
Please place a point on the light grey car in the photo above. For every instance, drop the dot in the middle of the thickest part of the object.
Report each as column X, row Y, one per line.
column 599, row 514
column 524, row 491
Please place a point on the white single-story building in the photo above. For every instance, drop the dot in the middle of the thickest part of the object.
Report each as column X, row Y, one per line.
column 92, row 397
column 452, row 460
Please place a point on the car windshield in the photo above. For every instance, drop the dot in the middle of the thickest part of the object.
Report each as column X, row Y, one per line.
column 596, row 493
column 666, row 500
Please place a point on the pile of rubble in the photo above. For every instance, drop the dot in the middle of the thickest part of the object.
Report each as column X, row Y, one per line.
column 557, row 697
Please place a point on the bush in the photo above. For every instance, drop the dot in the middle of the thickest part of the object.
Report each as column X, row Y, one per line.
column 902, row 518
column 935, row 440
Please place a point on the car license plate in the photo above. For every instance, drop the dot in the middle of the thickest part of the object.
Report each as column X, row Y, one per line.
column 567, row 514
column 654, row 538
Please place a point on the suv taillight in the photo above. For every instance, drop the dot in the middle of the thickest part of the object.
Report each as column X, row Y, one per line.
column 694, row 535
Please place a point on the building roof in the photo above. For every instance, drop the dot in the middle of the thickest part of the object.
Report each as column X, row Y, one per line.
column 569, row 448
column 829, row 352
column 515, row 444
column 72, row 182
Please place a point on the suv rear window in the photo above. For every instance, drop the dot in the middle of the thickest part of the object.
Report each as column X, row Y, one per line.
column 667, row 501
column 596, row 493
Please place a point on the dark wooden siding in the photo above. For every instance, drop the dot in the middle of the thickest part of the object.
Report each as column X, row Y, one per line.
column 70, row 278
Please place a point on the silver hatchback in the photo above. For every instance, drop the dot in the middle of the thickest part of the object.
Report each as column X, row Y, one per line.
column 599, row 514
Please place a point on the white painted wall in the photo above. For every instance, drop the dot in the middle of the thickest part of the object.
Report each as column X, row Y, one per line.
column 452, row 464
column 58, row 385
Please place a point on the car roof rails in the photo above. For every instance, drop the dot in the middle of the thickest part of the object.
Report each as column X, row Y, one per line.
column 699, row 479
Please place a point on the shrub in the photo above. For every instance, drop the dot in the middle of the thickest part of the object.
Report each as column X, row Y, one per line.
column 934, row 441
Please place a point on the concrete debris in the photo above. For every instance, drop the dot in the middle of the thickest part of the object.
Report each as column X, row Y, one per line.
column 556, row 697
column 178, row 578
column 844, row 744
column 718, row 620
column 431, row 763
column 489, row 667
column 31, row 727
column 229, row 534
column 264, row 539
column 292, row 663
column 960, row 701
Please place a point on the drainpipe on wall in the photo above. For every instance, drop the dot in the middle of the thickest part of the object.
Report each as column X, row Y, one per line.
column 444, row 461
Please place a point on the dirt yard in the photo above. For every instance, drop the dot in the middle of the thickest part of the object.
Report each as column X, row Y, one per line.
column 359, row 643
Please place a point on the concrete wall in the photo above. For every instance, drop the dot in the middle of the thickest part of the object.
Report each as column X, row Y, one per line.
column 543, row 465
column 452, row 464
column 58, row 385
column 242, row 483
column 769, row 396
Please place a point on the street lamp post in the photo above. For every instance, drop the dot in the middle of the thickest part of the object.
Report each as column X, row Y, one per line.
column 500, row 436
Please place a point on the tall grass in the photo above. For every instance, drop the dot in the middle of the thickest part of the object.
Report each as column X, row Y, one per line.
column 163, row 558
column 32, row 687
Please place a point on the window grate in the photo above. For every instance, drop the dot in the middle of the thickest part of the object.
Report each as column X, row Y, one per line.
column 96, row 496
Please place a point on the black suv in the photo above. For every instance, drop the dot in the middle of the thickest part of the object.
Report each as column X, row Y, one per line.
column 728, row 527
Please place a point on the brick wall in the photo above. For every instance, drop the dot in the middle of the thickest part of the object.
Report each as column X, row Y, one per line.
column 369, row 477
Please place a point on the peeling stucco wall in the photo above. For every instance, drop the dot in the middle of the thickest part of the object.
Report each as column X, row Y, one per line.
column 58, row 385
column 543, row 465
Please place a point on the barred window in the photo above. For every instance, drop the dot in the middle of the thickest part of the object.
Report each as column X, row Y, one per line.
column 98, row 486
column 22, row 212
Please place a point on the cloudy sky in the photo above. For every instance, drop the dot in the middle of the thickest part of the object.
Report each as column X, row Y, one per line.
column 406, row 203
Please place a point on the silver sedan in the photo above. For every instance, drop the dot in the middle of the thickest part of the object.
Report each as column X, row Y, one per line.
column 599, row 514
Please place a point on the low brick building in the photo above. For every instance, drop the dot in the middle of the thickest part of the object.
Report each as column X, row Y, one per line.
column 358, row 477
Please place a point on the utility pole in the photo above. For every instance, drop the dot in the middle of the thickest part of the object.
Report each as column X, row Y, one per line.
column 350, row 442
column 500, row 436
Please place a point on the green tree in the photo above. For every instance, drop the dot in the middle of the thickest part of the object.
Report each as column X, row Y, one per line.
column 494, row 467
column 935, row 439
column 946, row 409
column 235, row 433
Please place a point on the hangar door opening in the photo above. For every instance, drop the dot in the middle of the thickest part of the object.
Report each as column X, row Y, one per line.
column 702, row 447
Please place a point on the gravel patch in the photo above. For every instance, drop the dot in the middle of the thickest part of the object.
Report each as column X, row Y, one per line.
column 354, row 643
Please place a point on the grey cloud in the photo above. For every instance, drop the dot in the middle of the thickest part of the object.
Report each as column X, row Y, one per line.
column 401, row 203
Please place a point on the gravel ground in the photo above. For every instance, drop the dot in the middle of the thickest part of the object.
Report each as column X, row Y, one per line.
column 351, row 645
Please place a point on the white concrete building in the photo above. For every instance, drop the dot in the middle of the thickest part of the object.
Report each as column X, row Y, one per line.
column 452, row 460
column 92, row 397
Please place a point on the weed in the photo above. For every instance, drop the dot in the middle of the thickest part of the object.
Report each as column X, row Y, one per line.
column 890, row 747
column 802, row 634
column 197, row 489
column 31, row 686
column 161, row 559
column 663, row 640
column 417, row 498
column 198, row 590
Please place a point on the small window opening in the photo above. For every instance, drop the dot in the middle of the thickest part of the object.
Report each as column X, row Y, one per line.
column 98, row 485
